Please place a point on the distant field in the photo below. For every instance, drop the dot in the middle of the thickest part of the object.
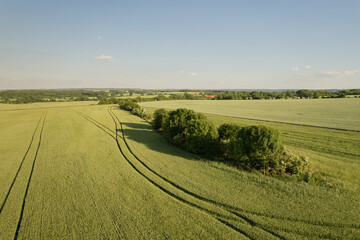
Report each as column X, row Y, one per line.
column 69, row 172
column 32, row 106
column 331, row 113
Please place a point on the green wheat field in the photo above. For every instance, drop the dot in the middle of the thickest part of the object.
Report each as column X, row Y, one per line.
column 87, row 171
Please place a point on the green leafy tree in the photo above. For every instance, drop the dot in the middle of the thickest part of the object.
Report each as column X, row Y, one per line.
column 190, row 130
column 228, row 131
column 160, row 116
column 257, row 147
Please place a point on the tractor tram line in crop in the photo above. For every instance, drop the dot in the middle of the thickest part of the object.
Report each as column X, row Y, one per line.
column 231, row 209
column 236, row 214
column 194, row 195
column 29, row 180
column 20, row 166
column 97, row 124
column 234, row 211
column 218, row 216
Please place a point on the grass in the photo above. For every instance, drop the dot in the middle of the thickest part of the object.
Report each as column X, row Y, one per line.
column 330, row 113
column 105, row 174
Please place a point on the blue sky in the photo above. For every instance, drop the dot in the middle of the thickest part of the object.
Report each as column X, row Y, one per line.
column 180, row 44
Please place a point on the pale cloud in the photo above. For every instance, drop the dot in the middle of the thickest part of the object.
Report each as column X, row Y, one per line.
column 307, row 67
column 350, row 72
column 192, row 74
column 336, row 74
column 330, row 73
column 104, row 58
column 99, row 37
column 295, row 68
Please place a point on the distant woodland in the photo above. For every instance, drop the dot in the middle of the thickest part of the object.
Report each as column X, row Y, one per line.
column 138, row 95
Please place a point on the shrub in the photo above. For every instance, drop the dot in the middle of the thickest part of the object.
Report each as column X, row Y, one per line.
column 257, row 147
column 295, row 165
column 228, row 131
column 134, row 108
column 160, row 117
column 128, row 105
column 189, row 130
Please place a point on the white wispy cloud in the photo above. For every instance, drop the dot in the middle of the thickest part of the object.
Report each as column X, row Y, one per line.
column 104, row 58
column 307, row 67
column 350, row 72
column 99, row 37
column 330, row 73
column 193, row 74
column 295, row 68
column 334, row 74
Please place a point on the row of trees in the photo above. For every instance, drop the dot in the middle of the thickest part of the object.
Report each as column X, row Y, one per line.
column 134, row 108
column 240, row 95
column 112, row 96
column 185, row 96
column 251, row 147
column 243, row 95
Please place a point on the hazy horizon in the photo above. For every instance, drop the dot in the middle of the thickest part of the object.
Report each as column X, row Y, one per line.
column 181, row 89
column 180, row 45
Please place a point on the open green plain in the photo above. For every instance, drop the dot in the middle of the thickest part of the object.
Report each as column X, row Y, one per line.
column 97, row 172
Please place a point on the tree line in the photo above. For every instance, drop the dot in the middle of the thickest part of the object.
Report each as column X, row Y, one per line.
column 240, row 95
column 112, row 96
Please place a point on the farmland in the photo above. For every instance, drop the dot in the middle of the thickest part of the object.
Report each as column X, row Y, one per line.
column 82, row 171
column 331, row 113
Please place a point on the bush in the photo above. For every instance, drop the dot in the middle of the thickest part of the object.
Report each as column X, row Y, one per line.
column 128, row 105
column 295, row 165
column 257, row 147
column 134, row 108
column 228, row 131
column 189, row 130
column 160, row 117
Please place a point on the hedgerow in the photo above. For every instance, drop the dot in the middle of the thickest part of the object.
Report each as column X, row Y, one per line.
column 134, row 108
column 256, row 148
